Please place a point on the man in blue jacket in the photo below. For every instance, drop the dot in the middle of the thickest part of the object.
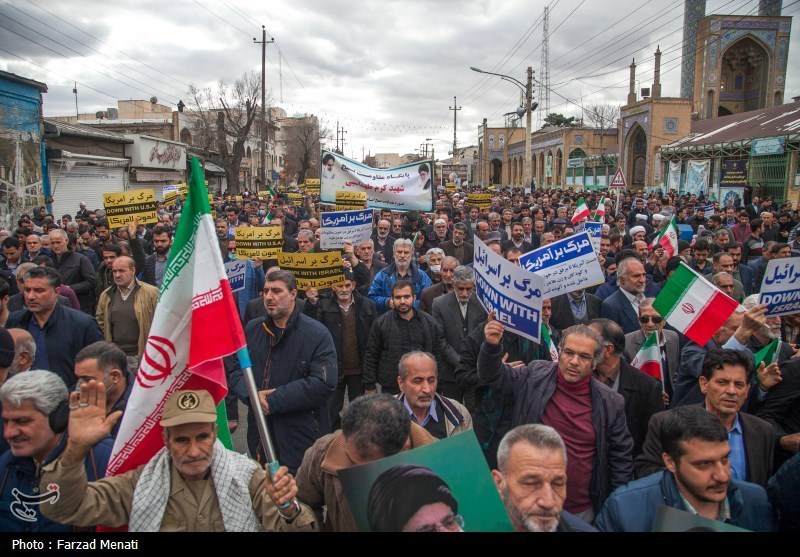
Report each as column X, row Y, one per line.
column 35, row 413
column 697, row 480
column 295, row 370
column 401, row 268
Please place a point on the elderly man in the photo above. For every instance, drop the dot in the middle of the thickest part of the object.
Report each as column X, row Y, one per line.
column 60, row 332
column 724, row 382
column 441, row 287
column 623, row 305
column 697, row 479
column 373, row 427
column 668, row 343
column 418, row 379
column 458, row 247
column 402, row 268
column 24, row 351
column 531, row 477
column 193, row 484
column 642, row 394
column 383, row 241
column 75, row 269
column 125, row 310
column 35, row 413
column 564, row 395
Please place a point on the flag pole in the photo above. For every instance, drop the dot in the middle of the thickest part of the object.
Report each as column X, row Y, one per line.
column 261, row 422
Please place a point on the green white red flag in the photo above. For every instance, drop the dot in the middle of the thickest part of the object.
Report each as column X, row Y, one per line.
column 581, row 212
column 195, row 325
column 668, row 238
column 548, row 342
column 600, row 213
column 693, row 305
column 648, row 358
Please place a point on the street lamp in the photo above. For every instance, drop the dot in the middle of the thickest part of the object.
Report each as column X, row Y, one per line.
column 527, row 90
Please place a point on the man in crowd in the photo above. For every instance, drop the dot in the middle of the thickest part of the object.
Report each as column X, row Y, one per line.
column 441, row 288
column 396, row 332
column 573, row 308
column 125, row 310
column 35, row 412
column 623, row 306
column 402, row 268
column 24, row 351
column 76, row 271
column 458, row 247
column 383, row 242
column 233, row 492
column 589, row 416
column 105, row 363
column 417, row 379
column 724, row 382
column 697, row 479
column 348, row 316
column 531, row 477
column 155, row 264
column 641, row 392
column 373, row 427
column 60, row 332
column 294, row 366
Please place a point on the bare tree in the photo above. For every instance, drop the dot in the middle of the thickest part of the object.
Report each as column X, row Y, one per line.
column 603, row 117
column 303, row 138
column 222, row 120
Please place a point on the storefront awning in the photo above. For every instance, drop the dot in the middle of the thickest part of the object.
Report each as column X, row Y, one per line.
column 93, row 160
column 213, row 168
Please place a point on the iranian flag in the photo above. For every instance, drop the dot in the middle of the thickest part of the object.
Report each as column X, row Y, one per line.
column 581, row 212
column 769, row 354
column 600, row 213
column 693, row 305
column 668, row 238
column 195, row 325
column 548, row 342
column 648, row 358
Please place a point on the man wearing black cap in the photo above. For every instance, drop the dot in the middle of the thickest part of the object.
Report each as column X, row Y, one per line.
column 411, row 498
column 193, row 484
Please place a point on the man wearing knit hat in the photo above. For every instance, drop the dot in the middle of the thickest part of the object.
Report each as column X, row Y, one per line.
column 193, row 484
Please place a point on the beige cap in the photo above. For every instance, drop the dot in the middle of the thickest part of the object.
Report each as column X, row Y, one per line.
column 188, row 407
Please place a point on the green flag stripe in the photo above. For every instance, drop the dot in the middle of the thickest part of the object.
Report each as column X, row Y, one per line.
column 674, row 290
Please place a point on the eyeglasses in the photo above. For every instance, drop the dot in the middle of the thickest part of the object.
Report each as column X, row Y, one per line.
column 655, row 319
column 582, row 356
column 451, row 523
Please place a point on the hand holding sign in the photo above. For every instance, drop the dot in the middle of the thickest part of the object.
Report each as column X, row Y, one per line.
column 493, row 331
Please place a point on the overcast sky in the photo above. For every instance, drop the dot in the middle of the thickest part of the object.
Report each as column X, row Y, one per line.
column 386, row 70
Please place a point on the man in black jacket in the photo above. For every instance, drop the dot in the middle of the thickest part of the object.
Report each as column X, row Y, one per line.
column 348, row 316
column 398, row 331
column 75, row 269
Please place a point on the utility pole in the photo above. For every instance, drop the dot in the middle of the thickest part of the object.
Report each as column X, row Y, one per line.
column 343, row 132
column 486, row 159
column 337, row 137
column 75, row 92
column 455, row 108
column 263, row 164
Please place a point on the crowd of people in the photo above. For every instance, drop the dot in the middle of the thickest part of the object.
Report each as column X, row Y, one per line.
column 400, row 355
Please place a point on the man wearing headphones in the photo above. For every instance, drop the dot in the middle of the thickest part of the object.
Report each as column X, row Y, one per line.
column 35, row 414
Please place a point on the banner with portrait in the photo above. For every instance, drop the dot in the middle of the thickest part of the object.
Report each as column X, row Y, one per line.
column 403, row 188
column 697, row 172
column 674, row 176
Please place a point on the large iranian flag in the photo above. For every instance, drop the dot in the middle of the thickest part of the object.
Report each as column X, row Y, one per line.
column 648, row 358
column 693, row 305
column 195, row 325
column 668, row 238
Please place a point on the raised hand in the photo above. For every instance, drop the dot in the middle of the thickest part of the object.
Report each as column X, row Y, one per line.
column 493, row 331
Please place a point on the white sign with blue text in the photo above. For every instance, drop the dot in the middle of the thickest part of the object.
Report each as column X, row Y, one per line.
column 513, row 293
column 780, row 289
column 567, row 265
column 595, row 230
column 345, row 226
column 235, row 271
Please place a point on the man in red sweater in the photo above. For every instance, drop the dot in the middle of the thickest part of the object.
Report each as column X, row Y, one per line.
column 588, row 415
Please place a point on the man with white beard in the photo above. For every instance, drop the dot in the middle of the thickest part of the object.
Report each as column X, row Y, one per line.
column 532, row 480
column 402, row 268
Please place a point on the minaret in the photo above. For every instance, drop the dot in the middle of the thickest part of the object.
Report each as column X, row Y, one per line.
column 693, row 12
column 656, row 93
column 632, row 89
column 770, row 8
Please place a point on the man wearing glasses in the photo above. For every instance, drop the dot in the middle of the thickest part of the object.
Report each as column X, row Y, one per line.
column 668, row 344
column 589, row 416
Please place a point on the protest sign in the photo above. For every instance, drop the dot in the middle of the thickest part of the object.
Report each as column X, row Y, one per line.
column 170, row 194
column 513, row 293
column 566, row 265
column 294, row 198
column 595, row 230
column 262, row 242
column 455, row 465
column 313, row 270
column 404, row 188
column 312, row 186
column 235, row 271
column 480, row 200
column 346, row 200
column 346, row 226
column 780, row 289
column 128, row 207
